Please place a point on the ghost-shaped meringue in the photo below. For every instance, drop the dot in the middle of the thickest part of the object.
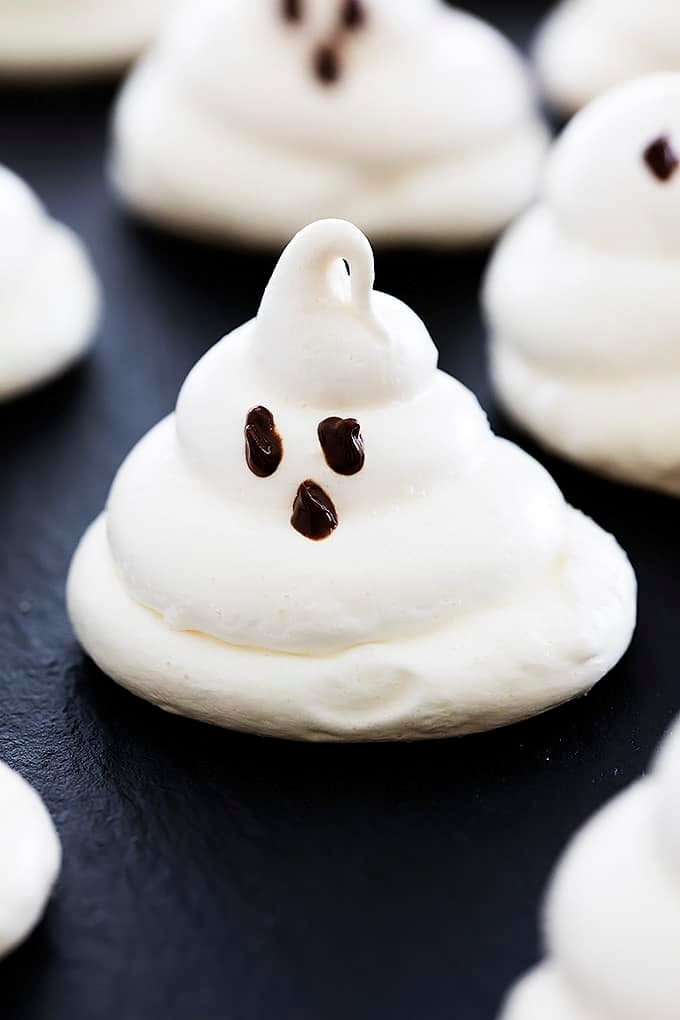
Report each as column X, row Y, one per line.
column 326, row 541
column 586, row 47
column 249, row 120
column 48, row 39
column 30, row 858
column 612, row 917
column 49, row 295
column 581, row 295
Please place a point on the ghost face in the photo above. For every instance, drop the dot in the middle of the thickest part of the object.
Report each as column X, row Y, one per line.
column 314, row 514
column 348, row 17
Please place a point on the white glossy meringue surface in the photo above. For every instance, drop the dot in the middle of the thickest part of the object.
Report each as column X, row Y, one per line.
column 582, row 298
column 612, row 917
column 586, row 47
column 66, row 38
column 49, row 295
column 30, row 858
column 458, row 592
column 428, row 131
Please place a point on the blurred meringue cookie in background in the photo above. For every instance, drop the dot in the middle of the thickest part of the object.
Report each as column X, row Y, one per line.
column 247, row 121
column 49, row 294
column 582, row 293
column 588, row 46
column 52, row 39
column 612, row 918
column 30, row 859
column 326, row 541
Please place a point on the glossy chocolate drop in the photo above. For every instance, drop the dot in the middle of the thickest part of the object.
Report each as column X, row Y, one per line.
column 353, row 14
column 342, row 445
column 661, row 158
column 264, row 448
column 291, row 10
column 314, row 514
column 327, row 65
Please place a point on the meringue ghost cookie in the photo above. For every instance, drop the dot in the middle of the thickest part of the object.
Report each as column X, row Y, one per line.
column 612, row 917
column 30, row 858
column 587, row 46
column 49, row 295
column 326, row 541
column 67, row 38
column 581, row 295
column 250, row 120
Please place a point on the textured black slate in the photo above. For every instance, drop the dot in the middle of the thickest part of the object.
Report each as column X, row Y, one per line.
column 210, row 875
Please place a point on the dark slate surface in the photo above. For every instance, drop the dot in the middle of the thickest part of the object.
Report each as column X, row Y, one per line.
column 210, row 875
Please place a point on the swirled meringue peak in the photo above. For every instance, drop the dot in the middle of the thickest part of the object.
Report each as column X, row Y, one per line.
column 248, row 120
column 30, row 858
column 326, row 541
column 581, row 295
column 49, row 296
column 612, row 917
column 586, row 47
column 70, row 38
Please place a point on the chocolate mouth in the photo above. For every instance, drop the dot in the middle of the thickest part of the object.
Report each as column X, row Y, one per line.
column 314, row 514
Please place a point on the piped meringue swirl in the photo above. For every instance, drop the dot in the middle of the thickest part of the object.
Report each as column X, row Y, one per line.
column 581, row 293
column 586, row 47
column 30, row 858
column 49, row 295
column 444, row 530
column 612, row 916
column 249, row 120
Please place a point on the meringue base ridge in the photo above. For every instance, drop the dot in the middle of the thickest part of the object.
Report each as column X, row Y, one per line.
column 625, row 428
column 202, row 189
column 547, row 649
column 59, row 46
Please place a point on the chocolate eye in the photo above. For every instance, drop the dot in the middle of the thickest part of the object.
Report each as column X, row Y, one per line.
column 342, row 445
column 264, row 448
column 291, row 10
column 661, row 158
column 353, row 14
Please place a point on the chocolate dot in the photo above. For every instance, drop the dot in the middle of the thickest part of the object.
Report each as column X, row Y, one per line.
column 291, row 10
column 314, row 514
column 342, row 445
column 353, row 14
column 327, row 65
column 264, row 448
column 661, row 158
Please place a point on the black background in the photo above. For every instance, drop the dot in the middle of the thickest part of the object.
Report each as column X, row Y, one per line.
column 212, row 875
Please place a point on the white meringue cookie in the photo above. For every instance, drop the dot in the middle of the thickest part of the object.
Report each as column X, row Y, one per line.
column 67, row 38
column 581, row 295
column 49, row 295
column 429, row 133
column 458, row 592
column 613, row 912
column 30, row 858
column 586, row 47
